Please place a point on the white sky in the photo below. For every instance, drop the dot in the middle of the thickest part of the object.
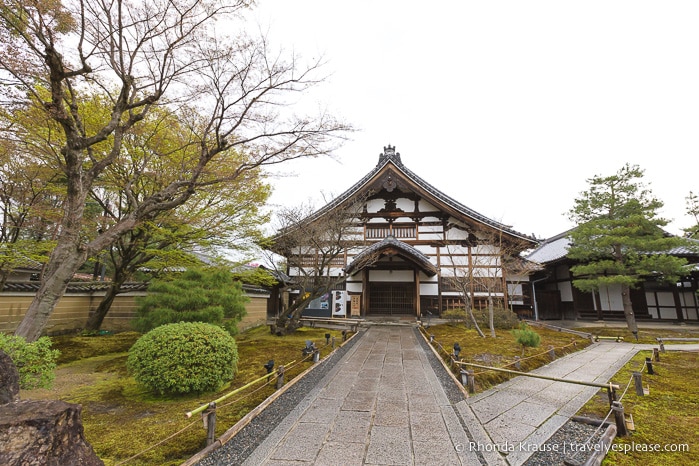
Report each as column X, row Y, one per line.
column 506, row 106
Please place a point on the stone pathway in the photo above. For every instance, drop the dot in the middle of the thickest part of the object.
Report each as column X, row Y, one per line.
column 517, row 416
column 383, row 404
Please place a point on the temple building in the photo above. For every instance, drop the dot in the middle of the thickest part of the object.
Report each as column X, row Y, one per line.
column 408, row 249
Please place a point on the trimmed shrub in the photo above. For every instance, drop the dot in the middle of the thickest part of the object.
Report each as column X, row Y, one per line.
column 187, row 357
column 35, row 361
column 526, row 337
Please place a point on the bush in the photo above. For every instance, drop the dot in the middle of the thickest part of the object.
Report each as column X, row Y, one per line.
column 526, row 337
column 211, row 295
column 503, row 319
column 35, row 361
column 455, row 316
column 183, row 358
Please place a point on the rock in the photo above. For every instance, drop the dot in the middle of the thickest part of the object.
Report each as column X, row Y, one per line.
column 9, row 380
column 46, row 433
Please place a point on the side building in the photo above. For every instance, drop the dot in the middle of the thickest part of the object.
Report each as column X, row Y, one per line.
column 555, row 296
column 411, row 250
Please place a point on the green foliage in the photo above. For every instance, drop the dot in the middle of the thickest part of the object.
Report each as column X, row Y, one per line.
column 206, row 295
column 502, row 318
column 187, row 357
column 526, row 336
column 35, row 361
column 454, row 316
column 619, row 237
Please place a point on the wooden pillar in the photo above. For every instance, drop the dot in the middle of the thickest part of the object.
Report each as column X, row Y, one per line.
column 440, row 306
column 416, row 274
column 470, row 276
column 678, row 304
column 365, row 293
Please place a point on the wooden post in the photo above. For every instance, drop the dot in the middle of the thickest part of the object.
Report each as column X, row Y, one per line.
column 649, row 365
column 280, row 377
column 209, row 418
column 552, row 353
column 662, row 345
column 333, row 342
column 316, row 356
column 656, row 355
column 638, row 383
column 518, row 363
column 618, row 410
column 611, row 393
column 471, row 378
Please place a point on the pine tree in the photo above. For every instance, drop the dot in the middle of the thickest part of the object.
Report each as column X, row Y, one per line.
column 619, row 239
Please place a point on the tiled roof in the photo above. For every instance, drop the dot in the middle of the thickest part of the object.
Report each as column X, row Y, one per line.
column 407, row 250
column 390, row 156
column 76, row 287
column 551, row 250
column 556, row 248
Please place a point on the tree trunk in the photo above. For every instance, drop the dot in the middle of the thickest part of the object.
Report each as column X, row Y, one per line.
column 66, row 259
column 491, row 318
column 628, row 310
column 94, row 322
column 475, row 323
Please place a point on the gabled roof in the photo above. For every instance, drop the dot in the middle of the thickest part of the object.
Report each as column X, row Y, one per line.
column 390, row 245
column 390, row 160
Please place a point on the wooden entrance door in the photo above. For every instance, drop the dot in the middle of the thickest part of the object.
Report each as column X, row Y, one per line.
column 392, row 298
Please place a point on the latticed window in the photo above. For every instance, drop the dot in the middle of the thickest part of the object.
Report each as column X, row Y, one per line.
column 399, row 231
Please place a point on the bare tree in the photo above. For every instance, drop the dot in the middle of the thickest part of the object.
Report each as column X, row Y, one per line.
column 314, row 245
column 230, row 95
column 490, row 257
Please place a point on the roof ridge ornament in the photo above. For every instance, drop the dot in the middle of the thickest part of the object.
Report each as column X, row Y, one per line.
column 389, row 153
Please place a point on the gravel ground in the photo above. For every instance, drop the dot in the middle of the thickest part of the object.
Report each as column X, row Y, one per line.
column 565, row 444
column 554, row 452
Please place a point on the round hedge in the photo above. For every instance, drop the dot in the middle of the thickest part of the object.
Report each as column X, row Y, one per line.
column 183, row 358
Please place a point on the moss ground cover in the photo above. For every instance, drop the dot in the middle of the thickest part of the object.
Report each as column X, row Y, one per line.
column 667, row 419
column 121, row 418
column 502, row 350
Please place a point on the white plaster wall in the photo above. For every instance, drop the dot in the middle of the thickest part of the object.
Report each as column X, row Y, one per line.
column 424, row 229
column 430, row 236
column 354, row 287
column 456, row 234
column 665, row 298
column 429, row 289
column 374, row 205
column 487, row 249
column 405, row 204
column 668, row 313
column 566, row 290
column 610, row 298
column 454, row 261
column 650, row 298
column 425, row 206
column 391, row 276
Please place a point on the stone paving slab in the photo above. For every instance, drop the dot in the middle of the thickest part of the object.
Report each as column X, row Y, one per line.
column 522, row 413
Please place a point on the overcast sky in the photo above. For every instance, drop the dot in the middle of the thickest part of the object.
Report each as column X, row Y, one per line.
column 506, row 106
